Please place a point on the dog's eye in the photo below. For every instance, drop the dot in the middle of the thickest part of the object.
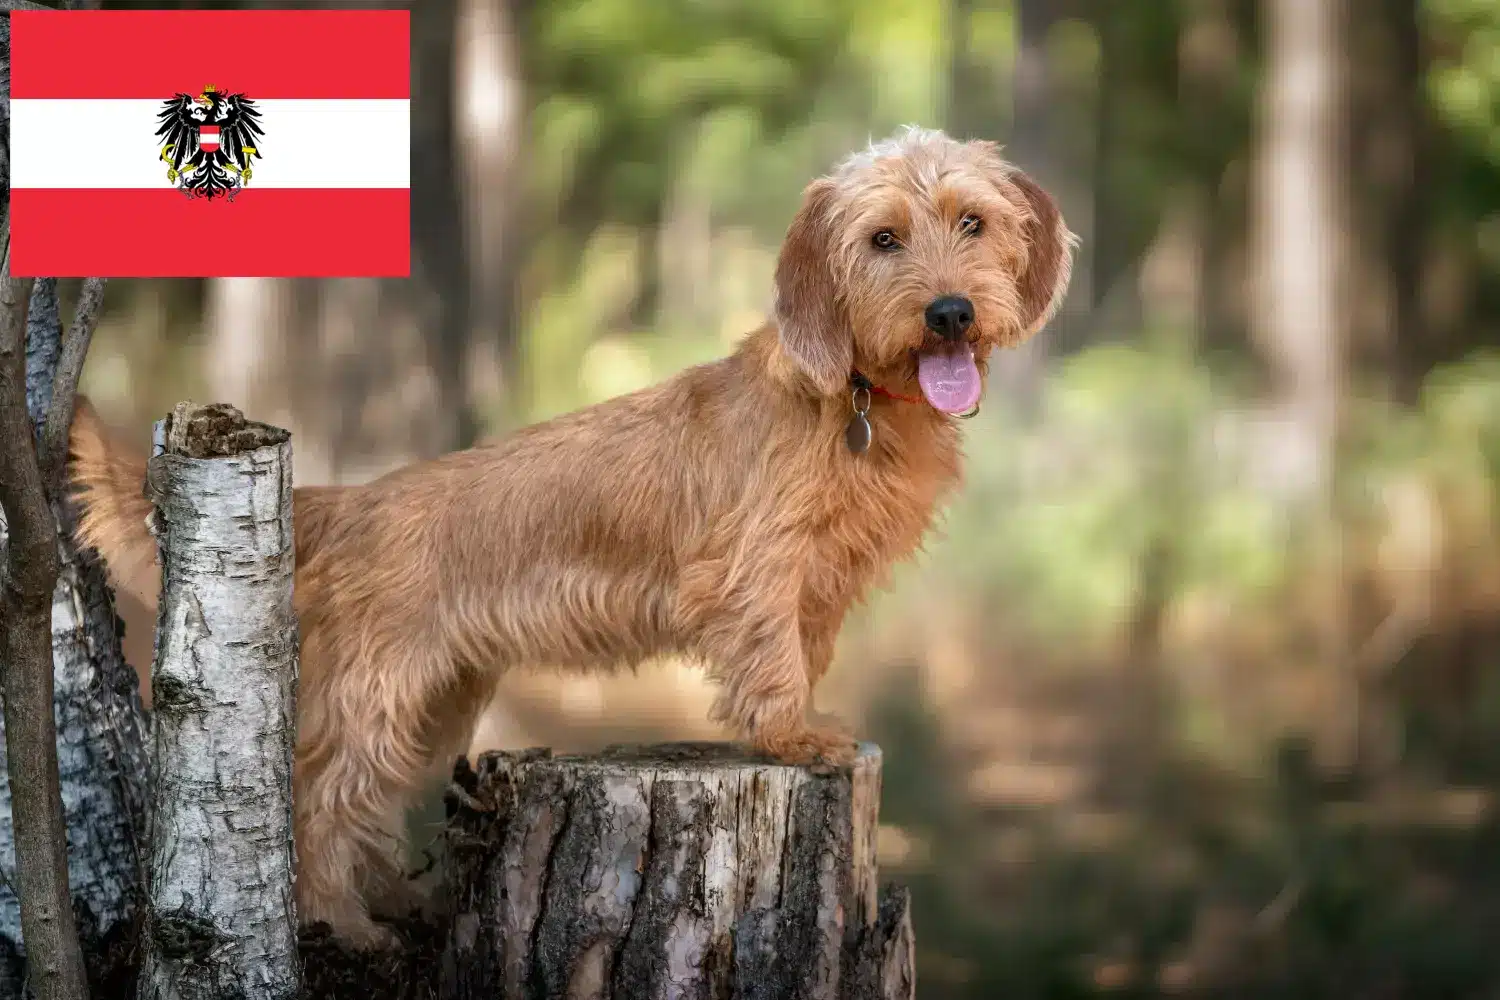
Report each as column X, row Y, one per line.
column 970, row 225
column 885, row 240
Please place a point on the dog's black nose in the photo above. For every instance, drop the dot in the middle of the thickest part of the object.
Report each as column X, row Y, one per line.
column 950, row 316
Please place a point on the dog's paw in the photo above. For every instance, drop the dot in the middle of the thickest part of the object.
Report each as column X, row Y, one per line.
column 367, row 935
column 379, row 937
column 827, row 745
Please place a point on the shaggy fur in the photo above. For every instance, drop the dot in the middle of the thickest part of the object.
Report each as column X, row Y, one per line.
column 718, row 515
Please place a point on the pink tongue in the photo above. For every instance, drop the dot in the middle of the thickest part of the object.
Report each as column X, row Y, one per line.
column 949, row 379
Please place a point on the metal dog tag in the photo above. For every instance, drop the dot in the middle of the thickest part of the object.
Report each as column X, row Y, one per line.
column 857, row 434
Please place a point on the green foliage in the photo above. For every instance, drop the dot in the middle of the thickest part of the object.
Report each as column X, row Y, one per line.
column 619, row 85
column 1047, row 538
column 1056, row 515
column 1465, row 80
column 1463, row 88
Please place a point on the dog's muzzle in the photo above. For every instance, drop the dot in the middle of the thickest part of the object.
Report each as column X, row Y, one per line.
column 949, row 316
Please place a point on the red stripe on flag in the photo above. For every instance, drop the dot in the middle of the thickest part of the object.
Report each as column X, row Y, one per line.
column 265, row 233
column 264, row 54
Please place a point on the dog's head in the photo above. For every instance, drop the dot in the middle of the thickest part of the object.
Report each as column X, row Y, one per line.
column 912, row 261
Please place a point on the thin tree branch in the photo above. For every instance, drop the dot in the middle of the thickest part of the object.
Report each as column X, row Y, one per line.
column 26, row 576
column 75, row 347
column 48, row 929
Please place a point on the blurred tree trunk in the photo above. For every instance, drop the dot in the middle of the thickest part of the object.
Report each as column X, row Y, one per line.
column 976, row 100
column 1399, row 150
column 493, row 129
column 1029, row 137
column 1299, row 319
column 1111, row 252
column 646, row 303
column 441, row 273
column 1035, row 125
column 1210, row 58
column 1299, row 316
column 1020, row 370
column 1390, row 141
column 1136, row 179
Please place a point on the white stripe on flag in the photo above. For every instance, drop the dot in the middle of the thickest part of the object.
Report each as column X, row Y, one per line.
column 307, row 144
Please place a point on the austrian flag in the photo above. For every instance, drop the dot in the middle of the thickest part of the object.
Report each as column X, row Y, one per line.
column 259, row 143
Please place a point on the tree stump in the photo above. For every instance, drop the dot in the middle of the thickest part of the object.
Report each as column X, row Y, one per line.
column 220, row 920
column 689, row 871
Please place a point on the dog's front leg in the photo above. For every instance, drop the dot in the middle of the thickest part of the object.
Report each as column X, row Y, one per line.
column 745, row 618
column 821, row 622
column 767, row 691
column 822, row 618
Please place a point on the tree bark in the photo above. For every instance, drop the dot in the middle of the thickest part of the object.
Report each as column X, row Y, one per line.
column 48, row 929
column 686, row 870
column 100, row 724
column 221, row 920
column 5, row 113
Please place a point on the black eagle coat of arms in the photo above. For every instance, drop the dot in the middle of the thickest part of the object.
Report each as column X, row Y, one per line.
column 208, row 141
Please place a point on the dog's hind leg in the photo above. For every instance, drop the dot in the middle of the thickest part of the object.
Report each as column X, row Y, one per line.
column 364, row 752
column 345, row 841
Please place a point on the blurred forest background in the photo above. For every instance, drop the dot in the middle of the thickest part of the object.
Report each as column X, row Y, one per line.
column 1200, row 691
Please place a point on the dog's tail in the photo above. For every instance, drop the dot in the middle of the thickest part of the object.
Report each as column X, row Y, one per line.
column 109, row 479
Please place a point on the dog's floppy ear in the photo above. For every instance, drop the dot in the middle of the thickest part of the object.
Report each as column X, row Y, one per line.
column 1049, row 252
column 814, row 329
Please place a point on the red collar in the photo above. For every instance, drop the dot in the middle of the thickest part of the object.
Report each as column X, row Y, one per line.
column 859, row 380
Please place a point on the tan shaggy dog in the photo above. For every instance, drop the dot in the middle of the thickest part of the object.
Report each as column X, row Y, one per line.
column 722, row 515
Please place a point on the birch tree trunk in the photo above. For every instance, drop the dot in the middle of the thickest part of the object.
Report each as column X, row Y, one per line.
column 221, row 919
column 686, row 870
